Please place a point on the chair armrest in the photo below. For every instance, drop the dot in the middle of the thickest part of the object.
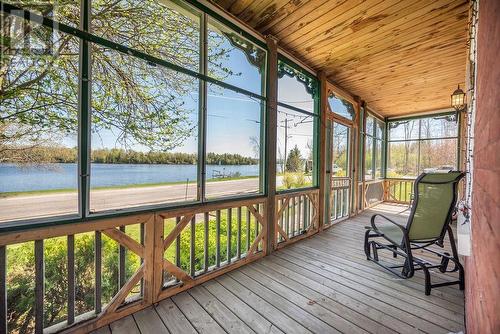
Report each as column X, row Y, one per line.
column 372, row 222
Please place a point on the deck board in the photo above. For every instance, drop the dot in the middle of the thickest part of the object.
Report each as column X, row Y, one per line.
column 217, row 310
column 322, row 284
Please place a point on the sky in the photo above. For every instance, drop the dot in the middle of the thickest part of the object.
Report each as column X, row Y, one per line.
column 233, row 119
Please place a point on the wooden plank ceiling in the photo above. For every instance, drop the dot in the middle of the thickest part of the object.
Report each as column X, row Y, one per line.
column 400, row 56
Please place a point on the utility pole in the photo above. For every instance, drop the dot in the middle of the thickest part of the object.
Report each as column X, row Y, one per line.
column 286, row 140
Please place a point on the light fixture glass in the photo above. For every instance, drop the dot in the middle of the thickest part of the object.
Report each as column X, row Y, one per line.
column 458, row 99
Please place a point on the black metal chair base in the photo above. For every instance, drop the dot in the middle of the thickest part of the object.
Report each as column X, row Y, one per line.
column 413, row 263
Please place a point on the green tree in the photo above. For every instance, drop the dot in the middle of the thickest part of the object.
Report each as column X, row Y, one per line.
column 294, row 163
column 141, row 103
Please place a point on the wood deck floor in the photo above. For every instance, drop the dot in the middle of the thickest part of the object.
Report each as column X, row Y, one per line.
column 323, row 284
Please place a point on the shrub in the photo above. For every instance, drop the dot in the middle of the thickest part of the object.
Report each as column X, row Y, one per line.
column 21, row 276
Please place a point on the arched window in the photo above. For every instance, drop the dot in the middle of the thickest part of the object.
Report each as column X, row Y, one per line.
column 340, row 106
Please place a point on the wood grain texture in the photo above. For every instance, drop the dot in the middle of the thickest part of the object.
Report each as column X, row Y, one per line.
column 323, row 284
column 401, row 57
column 482, row 270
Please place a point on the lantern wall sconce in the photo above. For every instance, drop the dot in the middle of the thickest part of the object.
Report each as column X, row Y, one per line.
column 458, row 99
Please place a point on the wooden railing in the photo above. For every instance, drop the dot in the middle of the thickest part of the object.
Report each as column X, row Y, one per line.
column 373, row 192
column 398, row 190
column 233, row 234
column 81, row 276
column 339, row 198
column 297, row 216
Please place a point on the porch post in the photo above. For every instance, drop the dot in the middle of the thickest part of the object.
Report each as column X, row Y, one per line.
column 271, row 129
column 322, row 148
column 362, row 104
column 356, row 156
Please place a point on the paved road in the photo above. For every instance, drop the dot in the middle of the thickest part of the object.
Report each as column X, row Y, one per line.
column 37, row 206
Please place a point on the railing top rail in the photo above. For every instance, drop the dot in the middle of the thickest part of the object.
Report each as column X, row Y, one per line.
column 296, row 193
column 374, row 181
column 206, row 207
column 41, row 233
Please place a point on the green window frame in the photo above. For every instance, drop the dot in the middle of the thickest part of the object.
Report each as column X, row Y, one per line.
column 86, row 37
column 372, row 134
column 418, row 139
column 288, row 68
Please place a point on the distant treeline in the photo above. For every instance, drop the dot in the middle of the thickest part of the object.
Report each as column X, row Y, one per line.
column 121, row 156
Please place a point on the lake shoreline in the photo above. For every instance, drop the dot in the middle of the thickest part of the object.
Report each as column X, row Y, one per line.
column 138, row 185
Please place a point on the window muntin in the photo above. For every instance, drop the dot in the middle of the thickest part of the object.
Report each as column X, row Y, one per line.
column 39, row 122
column 439, row 127
column 295, row 151
column 293, row 93
column 169, row 30
column 374, row 146
column 404, row 130
column 378, row 159
column 67, row 12
column 235, row 60
column 295, row 88
column 341, row 106
column 402, row 159
column 233, row 162
column 297, row 128
column 369, row 158
column 425, row 144
column 340, row 147
column 128, row 69
column 144, row 133
column 438, row 153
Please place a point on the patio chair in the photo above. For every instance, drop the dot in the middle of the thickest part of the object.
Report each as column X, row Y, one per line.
column 435, row 196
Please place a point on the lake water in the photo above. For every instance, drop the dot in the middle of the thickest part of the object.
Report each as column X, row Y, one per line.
column 63, row 176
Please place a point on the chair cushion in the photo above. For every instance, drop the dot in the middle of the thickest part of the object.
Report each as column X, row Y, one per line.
column 391, row 232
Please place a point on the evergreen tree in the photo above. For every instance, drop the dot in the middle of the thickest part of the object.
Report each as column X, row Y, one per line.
column 294, row 163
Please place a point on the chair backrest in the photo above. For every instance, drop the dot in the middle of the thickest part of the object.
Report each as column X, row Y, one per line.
column 435, row 196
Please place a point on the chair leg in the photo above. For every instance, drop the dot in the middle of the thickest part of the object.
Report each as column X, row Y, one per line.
column 375, row 251
column 367, row 245
column 452, row 243
column 394, row 254
column 427, row 280
column 444, row 262
column 407, row 271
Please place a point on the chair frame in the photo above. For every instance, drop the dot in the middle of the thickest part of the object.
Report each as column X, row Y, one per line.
column 405, row 248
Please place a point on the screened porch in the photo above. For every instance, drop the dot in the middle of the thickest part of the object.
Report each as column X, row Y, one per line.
column 321, row 285
column 211, row 166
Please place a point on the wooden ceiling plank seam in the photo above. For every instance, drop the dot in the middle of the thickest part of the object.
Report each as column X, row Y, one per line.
column 304, row 25
column 381, row 86
column 400, row 26
column 312, row 10
column 401, row 43
column 377, row 14
column 269, row 10
column 419, row 77
column 283, row 13
column 401, row 52
column 226, row 4
column 400, row 57
column 420, row 27
column 404, row 64
column 254, row 9
column 227, row 15
column 239, row 6
column 415, row 16
column 411, row 84
column 415, row 92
